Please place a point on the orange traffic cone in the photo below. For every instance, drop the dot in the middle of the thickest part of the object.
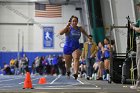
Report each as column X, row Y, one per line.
column 42, row 80
column 27, row 82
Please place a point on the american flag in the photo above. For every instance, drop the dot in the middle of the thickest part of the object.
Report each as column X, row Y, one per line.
column 48, row 11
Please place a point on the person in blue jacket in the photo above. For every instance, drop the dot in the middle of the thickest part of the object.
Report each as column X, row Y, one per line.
column 71, row 47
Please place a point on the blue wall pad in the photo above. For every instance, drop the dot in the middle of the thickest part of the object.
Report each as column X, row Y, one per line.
column 5, row 57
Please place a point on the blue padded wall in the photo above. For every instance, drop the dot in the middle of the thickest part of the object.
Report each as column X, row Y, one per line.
column 5, row 57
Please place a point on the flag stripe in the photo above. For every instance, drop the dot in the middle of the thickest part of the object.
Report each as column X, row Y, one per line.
column 50, row 11
column 44, row 15
column 47, row 13
column 53, row 6
column 47, row 16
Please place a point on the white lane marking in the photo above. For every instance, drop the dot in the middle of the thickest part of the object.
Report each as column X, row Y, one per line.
column 55, row 79
column 83, row 83
column 10, row 79
column 68, row 88
column 80, row 81
column 3, row 86
column 7, row 86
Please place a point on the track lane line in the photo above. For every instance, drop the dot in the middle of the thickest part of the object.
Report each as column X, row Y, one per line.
column 55, row 79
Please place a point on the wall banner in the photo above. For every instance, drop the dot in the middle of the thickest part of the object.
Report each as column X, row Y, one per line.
column 48, row 37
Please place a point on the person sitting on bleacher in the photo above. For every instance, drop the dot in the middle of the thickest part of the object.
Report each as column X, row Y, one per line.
column 6, row 70
column 82, row 67
column 12, row 65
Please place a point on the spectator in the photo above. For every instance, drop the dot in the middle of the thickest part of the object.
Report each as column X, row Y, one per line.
column 88, row 54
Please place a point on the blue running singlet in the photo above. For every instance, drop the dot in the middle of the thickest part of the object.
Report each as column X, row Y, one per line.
column 99, row 54
column 106, row 53
column 72, row 41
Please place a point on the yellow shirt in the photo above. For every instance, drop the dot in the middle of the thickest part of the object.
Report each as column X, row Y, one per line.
column 12, row 62
column 93, row 50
